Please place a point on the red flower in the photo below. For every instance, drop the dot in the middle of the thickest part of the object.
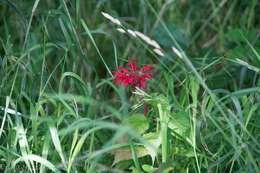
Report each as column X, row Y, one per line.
column 132, row 75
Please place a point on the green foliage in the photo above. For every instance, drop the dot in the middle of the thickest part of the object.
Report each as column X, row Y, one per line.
column 137, row 122
column 61, row 112
column 180, row 124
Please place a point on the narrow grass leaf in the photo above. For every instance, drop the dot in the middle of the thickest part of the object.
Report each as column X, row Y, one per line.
column 57, row 144
column 37, row 159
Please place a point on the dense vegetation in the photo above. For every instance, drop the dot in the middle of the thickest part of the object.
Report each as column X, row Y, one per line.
column 192, row 106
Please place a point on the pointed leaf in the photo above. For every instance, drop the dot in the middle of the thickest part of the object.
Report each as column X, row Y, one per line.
column 137, row 122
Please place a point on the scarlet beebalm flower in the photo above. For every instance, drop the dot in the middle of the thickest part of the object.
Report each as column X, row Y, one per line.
column 132, row 75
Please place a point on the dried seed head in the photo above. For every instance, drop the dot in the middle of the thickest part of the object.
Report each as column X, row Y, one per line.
column 158, row 52
column 177, row 52
column 131, row 32
column 148, row 40
column 155, row 44
column 111, row 18
column 121, row 30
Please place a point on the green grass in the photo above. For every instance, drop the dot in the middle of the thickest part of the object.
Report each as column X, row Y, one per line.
column 61, row 112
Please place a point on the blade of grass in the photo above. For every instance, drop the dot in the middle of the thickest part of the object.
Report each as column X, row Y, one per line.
column 37, row 159
column 95, row 45
column 57, row 144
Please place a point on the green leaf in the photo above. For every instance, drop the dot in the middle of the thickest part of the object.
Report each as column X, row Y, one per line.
column 37, row 159
column 194, row 85
column 138, row 122
column 183, row 150
column 164, row 39
column 238, row 52
column 148, row 168
column 141, row 151
column 155, row 140
column 236, row 35
column 126, row 154
column 135, row 170
column 180, row 124
column 57, row 144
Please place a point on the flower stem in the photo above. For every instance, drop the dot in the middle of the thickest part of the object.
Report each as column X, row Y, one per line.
column 163, row 122
column 146, row 108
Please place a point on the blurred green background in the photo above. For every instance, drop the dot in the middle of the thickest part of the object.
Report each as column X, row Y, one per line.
column 51, row 68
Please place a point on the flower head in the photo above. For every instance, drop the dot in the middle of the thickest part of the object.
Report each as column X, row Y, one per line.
column 132, row 75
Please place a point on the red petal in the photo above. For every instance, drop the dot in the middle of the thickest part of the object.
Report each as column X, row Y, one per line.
column 133, row 76
column 123, row 70
column 147, row 75
column 142, row 83
column 132, row 65
column 146, row 68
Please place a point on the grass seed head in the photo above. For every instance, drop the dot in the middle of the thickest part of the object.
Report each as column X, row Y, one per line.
column 111, row 18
